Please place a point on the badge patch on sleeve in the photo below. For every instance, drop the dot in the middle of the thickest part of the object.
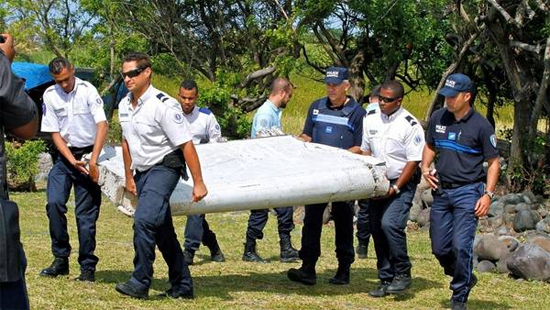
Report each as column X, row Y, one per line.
column 452, row 136
column 417, row 140
column 177, row 117
column 328, row 129
column 493, row 140
column 44, row 109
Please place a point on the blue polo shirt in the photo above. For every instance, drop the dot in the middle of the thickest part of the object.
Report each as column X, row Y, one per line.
column 461, row 146
column 339, row 127
column 268, row 116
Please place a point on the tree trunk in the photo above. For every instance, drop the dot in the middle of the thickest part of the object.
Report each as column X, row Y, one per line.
column 357, row 79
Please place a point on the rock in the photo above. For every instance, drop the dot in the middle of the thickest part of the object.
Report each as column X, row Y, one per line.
column 496, row 208
column 427, row 197
column 423, row 219
column 489, row 247
column 544, row 225
column 502, row 231
column 526, row 220
column 508, row 218
column 513, row 199
column 502, row 267
column 522, row 206
column 510, row 209
column 495, row 222
column 415, row 211
column 530, row 262
column 542, row 211
column 510, row 242
column 485, row 266
column 540, row 240
column 529, row 197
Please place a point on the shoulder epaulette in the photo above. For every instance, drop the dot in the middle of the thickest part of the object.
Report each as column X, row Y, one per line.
column 373, row 111
column 162, row 97
column 411, row 120
column 205, row 110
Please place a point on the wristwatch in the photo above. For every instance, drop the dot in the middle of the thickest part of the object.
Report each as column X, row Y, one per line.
column 396, row 189
column 490, row 194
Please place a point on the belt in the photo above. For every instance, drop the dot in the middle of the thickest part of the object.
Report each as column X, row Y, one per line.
column 78, row 152
column 453, row 185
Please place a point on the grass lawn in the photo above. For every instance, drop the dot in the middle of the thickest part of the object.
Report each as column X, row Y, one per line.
column 239, row 285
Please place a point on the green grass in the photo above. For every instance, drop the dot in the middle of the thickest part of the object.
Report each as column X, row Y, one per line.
column 239, row 285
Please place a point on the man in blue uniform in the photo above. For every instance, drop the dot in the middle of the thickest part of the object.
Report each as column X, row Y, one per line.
column 268, row 117
column 18, row 115
column 463, row 140
column 73, row 114
column 394, row 136
column 204, row 129
column 156, row 145
column 335, row 120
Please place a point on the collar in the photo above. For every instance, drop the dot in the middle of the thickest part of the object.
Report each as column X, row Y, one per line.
column 272, row 106
column 346, row 109
column 146, row 96
column 462, row 120
column 393, row 116
column 77, row 82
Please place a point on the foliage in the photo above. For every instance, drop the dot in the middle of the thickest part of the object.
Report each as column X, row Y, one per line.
column 22, row 164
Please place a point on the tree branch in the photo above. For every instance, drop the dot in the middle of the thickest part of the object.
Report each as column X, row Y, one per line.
column 542, row 94
column 527, row 47
column 504, row 14
column 256, row 75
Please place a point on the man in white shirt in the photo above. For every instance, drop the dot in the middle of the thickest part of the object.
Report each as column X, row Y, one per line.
column 204, row 128
column 73, row 113
column 393, row 135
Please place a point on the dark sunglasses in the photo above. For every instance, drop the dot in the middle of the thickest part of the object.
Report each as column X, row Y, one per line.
column 132, row 73
column 387, row 99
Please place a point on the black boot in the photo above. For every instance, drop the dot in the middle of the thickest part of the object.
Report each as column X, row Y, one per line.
column 250, row 254
column 59, row 266
column 362, row 249
column 188, row 256
column 288, row 253
column 216, row 253
column 381, row 290
column 342, row 275
column 400, row 283
column 305, row 274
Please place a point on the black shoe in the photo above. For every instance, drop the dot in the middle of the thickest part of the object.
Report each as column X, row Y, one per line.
column 288, row 253
column 456, row 305
column 300, row 275
column 381, row 290
column 128, row 289
column 341, row 277
column 362, row 250
column 59, row 266
column 217, row 256
column 86, row 275
column 177, row 294
column 473, row 282
column 188, row 256
column 399, row 284
column 250, row 254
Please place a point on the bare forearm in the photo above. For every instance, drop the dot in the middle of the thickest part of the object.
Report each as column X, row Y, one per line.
column 192, row 161
column 428, row 155
column 101, row 135
column 26, row 131
column 492, row 174
column 62, row 147
column 407, row 173
column 305, row 137
column 126, row 157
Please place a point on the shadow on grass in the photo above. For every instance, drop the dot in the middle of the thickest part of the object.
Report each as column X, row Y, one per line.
column 479, row 304
column 222, row 286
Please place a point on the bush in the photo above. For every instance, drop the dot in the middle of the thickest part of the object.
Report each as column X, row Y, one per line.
column 22, row 164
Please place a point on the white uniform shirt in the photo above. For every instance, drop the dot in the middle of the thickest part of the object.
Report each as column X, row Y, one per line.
column 153, row 129
column 203, row 126
column 74, row 115
column 395, row 139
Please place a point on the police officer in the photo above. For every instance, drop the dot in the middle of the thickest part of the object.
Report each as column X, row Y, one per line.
column 336, row 120
column 73, row 114
column 204, row 129
column 268, row 117
column 156, row 145
column 17, row 114
column 463, row 140
column 363, row 224
column 393, row 135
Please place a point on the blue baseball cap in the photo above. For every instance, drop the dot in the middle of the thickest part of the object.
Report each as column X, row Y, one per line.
column 456, row 83
column 336, row 75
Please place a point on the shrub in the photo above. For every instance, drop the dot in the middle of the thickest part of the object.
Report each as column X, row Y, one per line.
column 22, row 164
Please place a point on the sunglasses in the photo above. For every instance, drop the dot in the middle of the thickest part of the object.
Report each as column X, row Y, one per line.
column 387, row 99
column 132, row 73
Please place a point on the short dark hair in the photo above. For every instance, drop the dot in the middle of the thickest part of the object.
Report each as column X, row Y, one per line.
column 394, row 86
column 58, row 64
column 141, row 59
column 189, row 85
column 375, row 91
column 279, row 84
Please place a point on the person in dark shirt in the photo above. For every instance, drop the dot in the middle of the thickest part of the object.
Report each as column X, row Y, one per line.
column 18, row 115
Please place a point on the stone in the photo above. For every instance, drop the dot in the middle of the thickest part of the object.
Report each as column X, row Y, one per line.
column 502, row 231
column 509, row 208
column 495, row 222
column 502, row 267
column 513, row 199
column 542, row 211
column 543, row 225
column 526, row 220
column 540, row 240
column 529, row 197
column 489, row 247
column 45, row 164
column 485, row 266
column 530, row 262
column 508, row 218
column 522, row 206
column 496, row 208
column 423, row 219
column 415, row 210
column 510, row 242
column 427, row 197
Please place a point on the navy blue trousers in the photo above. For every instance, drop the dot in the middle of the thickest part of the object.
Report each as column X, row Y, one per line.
column 87, row 201
column 388, row 218
column 363, row 223
column 196, row 231
column 452, row 231
column 153, row 225
column 258, row 219
column 342, row 214
column 13, row 295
